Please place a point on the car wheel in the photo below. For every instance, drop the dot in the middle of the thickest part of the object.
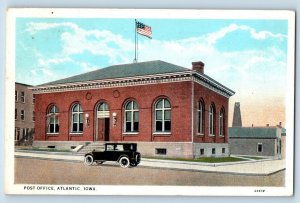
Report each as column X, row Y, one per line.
column 124, row 162
column 88, row 160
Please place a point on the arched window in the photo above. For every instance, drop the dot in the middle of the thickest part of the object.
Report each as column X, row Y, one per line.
column 77, row 118
column 211, row 123
column 53, row 121
column 162, row 115
column 200, row 117
column 131, row 117
column 221, row 123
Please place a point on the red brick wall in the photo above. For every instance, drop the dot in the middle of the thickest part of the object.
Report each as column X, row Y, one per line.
column 178, row 93
column 209, row 97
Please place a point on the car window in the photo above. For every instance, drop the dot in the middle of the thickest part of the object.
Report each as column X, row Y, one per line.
column 119, row 148
column 109, row 147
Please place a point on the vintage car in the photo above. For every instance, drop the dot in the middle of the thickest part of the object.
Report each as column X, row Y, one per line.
column 124, row 153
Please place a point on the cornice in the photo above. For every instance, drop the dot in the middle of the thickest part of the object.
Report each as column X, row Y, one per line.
column 137, row 80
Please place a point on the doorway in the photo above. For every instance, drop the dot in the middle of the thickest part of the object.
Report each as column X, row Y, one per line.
column 102, row 122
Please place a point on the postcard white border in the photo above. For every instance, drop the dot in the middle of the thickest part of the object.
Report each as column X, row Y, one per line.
column 13, row 13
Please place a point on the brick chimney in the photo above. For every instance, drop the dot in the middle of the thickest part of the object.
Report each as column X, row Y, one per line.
column 198, row 66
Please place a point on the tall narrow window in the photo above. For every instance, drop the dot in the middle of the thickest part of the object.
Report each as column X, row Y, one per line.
column 131, row 117
column 77, row 118
column 16, row 96
column 221, row 123
column 22, row 115
column 33, row 116
column 162, row 116
column 33, row 98
column 16, row 114
column 200, row 116
column 23, row 97
column 53, row 126
column 17, row 133
column 211, row 123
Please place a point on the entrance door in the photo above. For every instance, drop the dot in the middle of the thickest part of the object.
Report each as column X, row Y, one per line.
column 103, row 129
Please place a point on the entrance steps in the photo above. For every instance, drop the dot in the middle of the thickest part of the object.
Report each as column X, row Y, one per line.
column 93, row 145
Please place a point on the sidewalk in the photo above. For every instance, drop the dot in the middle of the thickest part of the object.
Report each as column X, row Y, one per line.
column 259, row 167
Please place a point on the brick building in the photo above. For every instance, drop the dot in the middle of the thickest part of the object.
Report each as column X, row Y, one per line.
column 24, row 114
column 167, row 109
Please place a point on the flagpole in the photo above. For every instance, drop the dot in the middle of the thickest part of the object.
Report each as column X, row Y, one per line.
column 135, row 35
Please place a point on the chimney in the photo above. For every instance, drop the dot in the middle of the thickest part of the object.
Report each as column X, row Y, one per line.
column 198, row 66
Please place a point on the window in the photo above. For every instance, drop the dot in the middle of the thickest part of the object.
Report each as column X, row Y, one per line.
column 33, row 98
column 23, row 97
column 221, row 123
column 77, row 118
column 223, row 150
column 16, row 114
column 259, row 147
column 25, row 133
column 162, row 151
column 131, row 117
column 53, row 125
column 33, row 116
column 162, row 116
column 16, row 96
column 200, row 116
column 17, row 134
column 201, row 151
column 22, row 115
column 213, row 151
column 211, row 123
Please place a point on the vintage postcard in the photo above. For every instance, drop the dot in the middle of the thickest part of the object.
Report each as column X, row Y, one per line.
column 149, row 102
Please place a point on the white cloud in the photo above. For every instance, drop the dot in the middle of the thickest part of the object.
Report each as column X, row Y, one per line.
column 212, row 38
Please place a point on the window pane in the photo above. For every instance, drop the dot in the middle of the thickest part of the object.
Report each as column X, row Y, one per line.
column 135, row 116
column 159, row 115
column 158, row 126
column 128, row 106
column 80, row 108
column 51, row 120
column 135, row 106
column 81, row 117
column 56, row 120
column 75, row 117
column 75, row 108
column 128, row 126
column 128, row 116
column 167, row 125
column 74, row 129
column 167, row 103
column 159, row 104
column 56, row 128
column 167, row 115
column 136, row 126
column 51, row 130
column 80, row 127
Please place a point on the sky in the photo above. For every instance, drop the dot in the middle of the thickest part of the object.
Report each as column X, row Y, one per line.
column 247, row 56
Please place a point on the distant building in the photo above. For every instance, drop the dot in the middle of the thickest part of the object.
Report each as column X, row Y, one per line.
column 256, row 141
column 237, row 117
column 24, row 114
column 167, row 109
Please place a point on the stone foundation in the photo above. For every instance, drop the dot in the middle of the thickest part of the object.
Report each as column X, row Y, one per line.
column 156, row 149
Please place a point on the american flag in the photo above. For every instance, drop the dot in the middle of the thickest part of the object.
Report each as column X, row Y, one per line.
column 143, row 29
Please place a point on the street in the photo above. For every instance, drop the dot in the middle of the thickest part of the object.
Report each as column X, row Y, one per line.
column 39, row 171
